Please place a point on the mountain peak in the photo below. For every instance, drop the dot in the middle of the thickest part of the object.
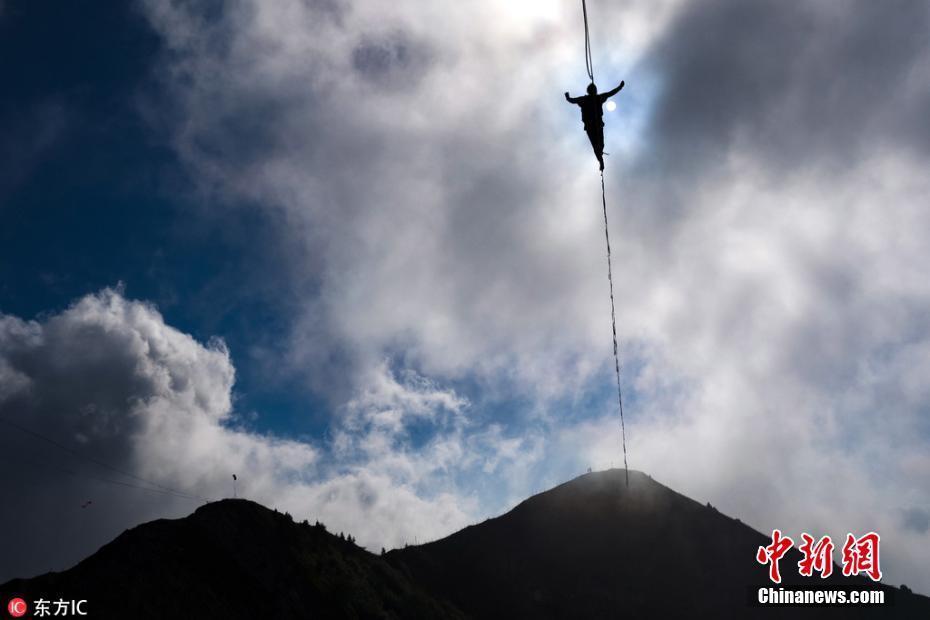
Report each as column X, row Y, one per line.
column 608, row 486
column 594, row 547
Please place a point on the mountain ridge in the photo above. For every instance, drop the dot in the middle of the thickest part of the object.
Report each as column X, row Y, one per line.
column 588, row 548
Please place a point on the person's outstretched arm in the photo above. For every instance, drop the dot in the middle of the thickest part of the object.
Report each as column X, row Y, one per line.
column 611, row 93
column 570, row 99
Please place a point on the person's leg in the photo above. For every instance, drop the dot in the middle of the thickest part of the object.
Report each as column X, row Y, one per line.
column 596, row 135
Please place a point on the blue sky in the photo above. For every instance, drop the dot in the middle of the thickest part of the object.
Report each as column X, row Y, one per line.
column 104, row 201
column 353, row 252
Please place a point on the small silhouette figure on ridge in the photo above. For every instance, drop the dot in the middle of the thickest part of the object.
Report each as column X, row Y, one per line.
column 592, row 114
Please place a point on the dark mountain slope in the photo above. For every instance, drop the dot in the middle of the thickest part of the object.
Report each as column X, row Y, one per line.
column 234, row 559
column 591, row 548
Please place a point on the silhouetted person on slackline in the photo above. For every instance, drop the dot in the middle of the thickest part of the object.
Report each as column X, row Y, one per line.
column 593, row 116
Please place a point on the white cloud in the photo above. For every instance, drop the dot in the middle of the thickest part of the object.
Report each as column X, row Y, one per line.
column 132, row 401
column 439, row 236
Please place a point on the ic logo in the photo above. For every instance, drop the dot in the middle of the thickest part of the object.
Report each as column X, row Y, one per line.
column 17, row 607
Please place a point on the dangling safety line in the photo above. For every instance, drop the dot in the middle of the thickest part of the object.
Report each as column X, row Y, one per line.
column 589, row 62
column 613, row 324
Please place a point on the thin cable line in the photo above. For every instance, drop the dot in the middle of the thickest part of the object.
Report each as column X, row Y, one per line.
column 19, row 460
column 100, row 463
column 588, row 59
column 613, row 324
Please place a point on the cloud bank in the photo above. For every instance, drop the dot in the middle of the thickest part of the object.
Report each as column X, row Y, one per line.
column 105, row 403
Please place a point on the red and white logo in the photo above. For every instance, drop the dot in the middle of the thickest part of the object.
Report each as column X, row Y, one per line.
column 17, row 607
column 860, row 555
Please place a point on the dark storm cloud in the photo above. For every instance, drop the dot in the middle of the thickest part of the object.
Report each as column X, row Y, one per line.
column 790, row 87
column 794, row 82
